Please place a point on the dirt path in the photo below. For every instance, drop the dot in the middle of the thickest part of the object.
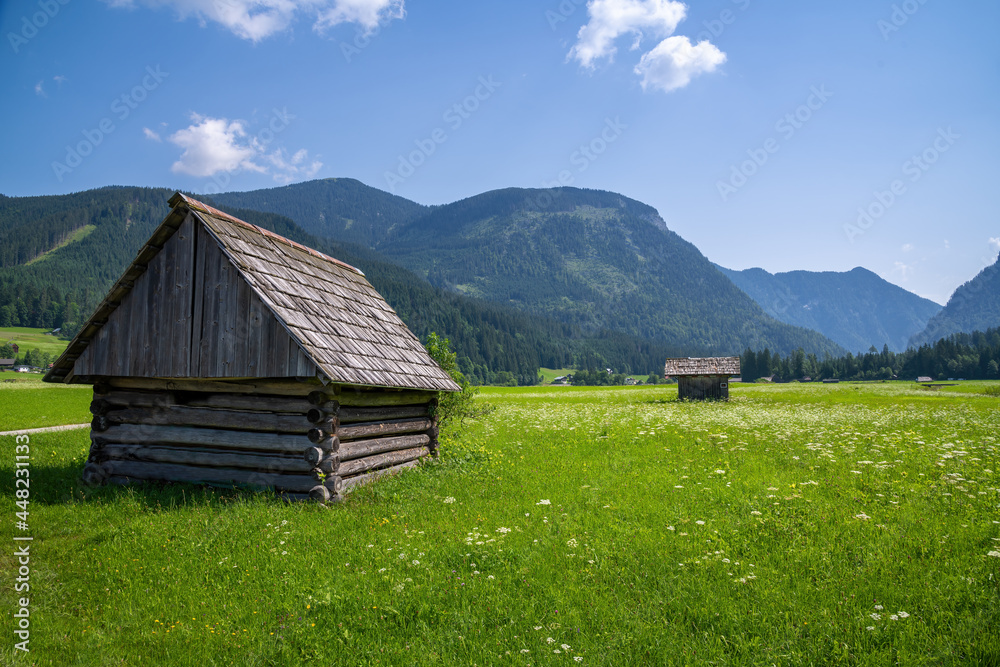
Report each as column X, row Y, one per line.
column 47, row 429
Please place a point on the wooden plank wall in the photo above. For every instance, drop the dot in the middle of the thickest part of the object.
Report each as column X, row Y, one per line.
column 191, row 314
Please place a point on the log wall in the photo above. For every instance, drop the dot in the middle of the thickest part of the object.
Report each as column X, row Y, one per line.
column 317, row 445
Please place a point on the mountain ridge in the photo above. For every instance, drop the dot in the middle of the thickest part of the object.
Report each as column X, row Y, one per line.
column 974, row 306
column 857, row 309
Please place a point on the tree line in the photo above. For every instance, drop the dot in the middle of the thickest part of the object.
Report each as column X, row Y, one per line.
column 972, row 356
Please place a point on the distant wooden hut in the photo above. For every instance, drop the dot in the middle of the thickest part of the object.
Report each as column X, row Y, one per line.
column 227, row 354
column 699, row 379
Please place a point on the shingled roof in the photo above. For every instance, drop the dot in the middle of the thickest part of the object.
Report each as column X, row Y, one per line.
column 702, row 366
column 338, row 326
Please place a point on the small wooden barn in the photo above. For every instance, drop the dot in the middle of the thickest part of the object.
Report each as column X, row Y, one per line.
column 703, row 378
column 227, row 354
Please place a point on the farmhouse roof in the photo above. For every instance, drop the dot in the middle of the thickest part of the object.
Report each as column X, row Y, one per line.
column 702, row 366
column 324, row 315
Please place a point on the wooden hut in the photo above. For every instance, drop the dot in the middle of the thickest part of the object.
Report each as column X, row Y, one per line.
column 699, row 379
column 227, row 354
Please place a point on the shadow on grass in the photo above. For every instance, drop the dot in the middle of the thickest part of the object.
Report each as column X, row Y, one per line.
column 58, row 484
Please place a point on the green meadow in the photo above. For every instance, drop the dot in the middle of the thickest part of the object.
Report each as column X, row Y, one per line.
column 30, row 339
column 794, row 525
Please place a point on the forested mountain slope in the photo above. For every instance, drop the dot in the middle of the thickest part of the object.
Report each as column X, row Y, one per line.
column 592, row 259
column 975, row 306
column 495, row 343
column 339, row 208
column 856, row 309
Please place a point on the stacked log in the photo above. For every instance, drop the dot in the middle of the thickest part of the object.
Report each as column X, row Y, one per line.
column 367, row 435
column 315, row 445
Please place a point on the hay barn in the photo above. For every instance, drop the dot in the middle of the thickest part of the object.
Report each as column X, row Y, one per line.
column 229, row 355
column 704, row 378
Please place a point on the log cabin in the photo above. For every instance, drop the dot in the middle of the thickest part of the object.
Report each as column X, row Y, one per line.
column 700, row 379
column 229, row 355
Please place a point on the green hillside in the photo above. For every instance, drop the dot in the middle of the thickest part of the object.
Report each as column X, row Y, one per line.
column 856, row 309
column 594, row 260
column 107, row 227
column 339, row 208
column 496, row 344
column 975, row 306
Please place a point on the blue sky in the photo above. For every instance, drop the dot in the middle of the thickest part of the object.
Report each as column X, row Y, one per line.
column 786, row 135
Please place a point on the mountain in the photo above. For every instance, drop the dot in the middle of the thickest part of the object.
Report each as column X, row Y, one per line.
column 975, row 306
column 594, row 260
column 856, row 309
column 60, row 254
column 339, row 208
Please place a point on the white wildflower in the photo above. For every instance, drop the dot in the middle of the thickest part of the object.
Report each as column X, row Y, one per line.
column 670, row 528
column 878, row 607
column 571, row 543
column 503, row 530
column 720, row 472
column 994, row 554
column 862, row 516
column 543, row 502
column 449, row 500
column 700, row 523
column 875, row 616
column 903, row 614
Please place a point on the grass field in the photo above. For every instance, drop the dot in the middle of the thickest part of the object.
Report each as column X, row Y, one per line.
column 30, row 403
column 793, row 525
column 30, row 339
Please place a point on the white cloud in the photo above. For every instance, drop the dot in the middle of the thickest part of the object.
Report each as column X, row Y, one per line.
column 995, row 242
column 366, row 13
column 259, row 19
column 908, row 247
column 670, row 65
column 215, row 145
column 40, row 89
column 212, row 145
column 610, row 19
column 299, row 166
column 151, row 135
column 60, row 79
column 675, row 61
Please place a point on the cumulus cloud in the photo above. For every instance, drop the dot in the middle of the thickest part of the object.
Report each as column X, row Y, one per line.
column 40, row 89
column 256, row 20
column 212, row 145
column 670, row 65
column 150, row 134
column 675, row 61
column 908, row 247
column 610, row 19
column 995, row 242
column 215, row 145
